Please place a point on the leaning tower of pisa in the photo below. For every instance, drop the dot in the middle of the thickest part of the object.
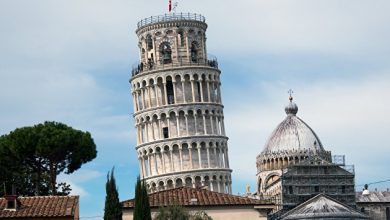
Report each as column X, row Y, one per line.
column 178, row 110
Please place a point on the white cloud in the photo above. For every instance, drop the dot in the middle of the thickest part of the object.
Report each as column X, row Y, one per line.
column 78, row 180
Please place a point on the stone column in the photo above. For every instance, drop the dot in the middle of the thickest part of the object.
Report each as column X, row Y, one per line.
column 152, row 127
column 208, row 156
column 140, row 167
column 150, row 98
column 178, row 125
column 223, row 126
column 208, row 90
column 134, row 102
column 156, row 94
column 181, row 157
column 220, row 158
column 172, row 165
column 199, row 155
column 165, row 93
column 187, row 47
column 219, row 93
column 143, row 98
column 146, row 132
column 149, row 165
column 190, row 154
column 201, row 90
column 186, row 117
column 196, row 125
column 184, row 92
column 174, row 91
column 159, row 128
column 163, row 160
column 218, row 185
column 212, row 124
column 227, row 158
column 193, row 91
column 204, row 124
column 211, row 185
column 215, row 156
column 169, row 128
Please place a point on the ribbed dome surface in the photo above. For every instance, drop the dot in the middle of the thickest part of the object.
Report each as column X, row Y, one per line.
column 293, row 135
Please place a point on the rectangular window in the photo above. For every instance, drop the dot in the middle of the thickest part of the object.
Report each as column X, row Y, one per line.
column 316, row 189
column 165, row 132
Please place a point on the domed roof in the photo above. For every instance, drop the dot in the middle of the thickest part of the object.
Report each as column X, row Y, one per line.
column 293, row 135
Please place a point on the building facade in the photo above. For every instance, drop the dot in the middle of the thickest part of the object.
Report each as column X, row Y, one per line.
column 375, row 204
column 294, row 166
column 218, row 206
column 178, row 109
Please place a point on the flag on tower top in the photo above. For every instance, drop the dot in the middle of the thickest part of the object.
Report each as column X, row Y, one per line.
column 170, row 6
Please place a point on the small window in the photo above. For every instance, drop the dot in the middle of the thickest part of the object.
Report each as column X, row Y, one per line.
column 316, row 189
column 194, row 52
column 11, row 204
column 343, row 189
column 290, row 190
column 166, row 53
column 362, row 210
column 181, row 38
column 149, row 42
column 165, row 132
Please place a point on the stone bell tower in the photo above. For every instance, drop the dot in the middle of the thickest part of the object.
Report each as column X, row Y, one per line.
column 178, row 110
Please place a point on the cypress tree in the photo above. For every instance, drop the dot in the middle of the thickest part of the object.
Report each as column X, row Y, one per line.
column 112, row 208
column 141, row 203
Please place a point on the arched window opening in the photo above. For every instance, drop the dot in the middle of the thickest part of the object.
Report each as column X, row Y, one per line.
column 149, row 42
column 387, row 213
column 316, row 189
column 181, row 38
column 198, row 90
column 165, row 132
column 194, row 52
column 170, row 92
column 343, row 189
column 290, row 190
column 166, row 53
column 362, row 210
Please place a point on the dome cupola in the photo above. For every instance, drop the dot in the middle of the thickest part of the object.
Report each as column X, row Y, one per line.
column 292, row 139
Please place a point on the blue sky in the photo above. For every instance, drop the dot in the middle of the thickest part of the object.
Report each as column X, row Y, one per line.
column 70, row 61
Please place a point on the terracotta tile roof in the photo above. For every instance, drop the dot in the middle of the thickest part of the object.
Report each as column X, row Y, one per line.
column 42, row 206
column 183, row 195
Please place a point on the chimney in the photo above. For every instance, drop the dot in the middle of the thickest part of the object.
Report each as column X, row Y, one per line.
column 12, row 200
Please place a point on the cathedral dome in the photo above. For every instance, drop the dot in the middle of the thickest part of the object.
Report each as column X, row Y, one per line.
column 293, row 135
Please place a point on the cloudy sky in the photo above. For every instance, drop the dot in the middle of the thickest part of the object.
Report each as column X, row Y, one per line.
column 70, row 61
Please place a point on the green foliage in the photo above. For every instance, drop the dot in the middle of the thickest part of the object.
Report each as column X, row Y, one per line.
column 112, row 208
column 173, row 213
column 176, row 212
column 32, row 157
column 141, row 205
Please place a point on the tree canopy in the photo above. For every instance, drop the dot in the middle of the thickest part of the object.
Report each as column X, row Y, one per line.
column 112, row 208
column 141, row 205
column 32, row 157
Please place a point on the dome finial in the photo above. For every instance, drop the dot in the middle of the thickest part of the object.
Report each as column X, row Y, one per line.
column 290, row 91
column 291, row 108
